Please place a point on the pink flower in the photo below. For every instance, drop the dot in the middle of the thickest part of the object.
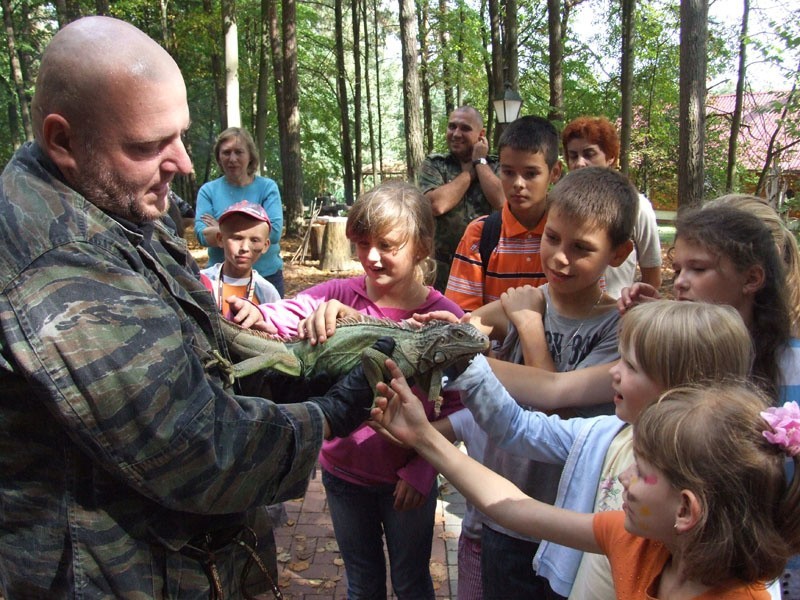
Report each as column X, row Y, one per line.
column 785, row 423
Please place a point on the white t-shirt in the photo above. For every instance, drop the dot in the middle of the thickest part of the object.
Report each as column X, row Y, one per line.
column 647, row 250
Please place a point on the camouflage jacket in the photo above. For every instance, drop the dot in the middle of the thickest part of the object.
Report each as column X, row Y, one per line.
column 118, row 449
column 437, row 170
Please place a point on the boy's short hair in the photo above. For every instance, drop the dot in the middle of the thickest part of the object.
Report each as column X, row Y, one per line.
column 248, row 209
column 595, row 130
column 601, row 195
column 531, row 134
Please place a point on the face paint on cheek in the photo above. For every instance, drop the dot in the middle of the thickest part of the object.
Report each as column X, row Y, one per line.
column 645, row 511
column 650, row 479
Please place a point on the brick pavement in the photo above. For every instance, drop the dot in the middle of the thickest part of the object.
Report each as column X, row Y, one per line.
column 311, row 568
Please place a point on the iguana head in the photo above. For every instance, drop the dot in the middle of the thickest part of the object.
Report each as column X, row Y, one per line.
column 440, row 344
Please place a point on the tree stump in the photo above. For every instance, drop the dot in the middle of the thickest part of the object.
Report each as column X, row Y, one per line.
column 336, row 253
column 315, row 241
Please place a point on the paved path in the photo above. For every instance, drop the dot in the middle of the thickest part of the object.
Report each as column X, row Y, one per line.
column 309, row 563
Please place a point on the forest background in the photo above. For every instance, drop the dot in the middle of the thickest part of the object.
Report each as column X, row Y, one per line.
column 342, row 93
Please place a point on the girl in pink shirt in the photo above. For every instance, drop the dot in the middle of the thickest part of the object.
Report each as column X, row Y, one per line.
column 376, row 489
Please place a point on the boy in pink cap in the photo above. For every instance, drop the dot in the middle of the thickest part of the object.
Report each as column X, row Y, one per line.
column 244, row 236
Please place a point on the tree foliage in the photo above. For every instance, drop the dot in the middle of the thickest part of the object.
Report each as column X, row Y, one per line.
column 457, row 69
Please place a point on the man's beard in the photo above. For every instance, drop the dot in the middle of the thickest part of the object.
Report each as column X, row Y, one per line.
column 110, row 192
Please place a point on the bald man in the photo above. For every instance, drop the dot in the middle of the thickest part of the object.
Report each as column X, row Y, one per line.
column 128, row 470
column 461, row 185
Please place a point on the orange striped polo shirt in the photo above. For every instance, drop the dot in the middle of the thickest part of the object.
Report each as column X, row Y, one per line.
column 514, row 262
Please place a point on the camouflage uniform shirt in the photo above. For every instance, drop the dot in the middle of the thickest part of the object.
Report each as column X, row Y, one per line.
column 435, row 171
column 118, row 448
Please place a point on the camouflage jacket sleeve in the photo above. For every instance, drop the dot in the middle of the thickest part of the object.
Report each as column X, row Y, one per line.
column 433, row 172
column 124, row 375
column 113, row 336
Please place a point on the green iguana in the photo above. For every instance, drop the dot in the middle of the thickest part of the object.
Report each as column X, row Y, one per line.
column 421, row 353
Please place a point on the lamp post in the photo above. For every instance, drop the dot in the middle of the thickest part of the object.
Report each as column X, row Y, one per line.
column 506, row 107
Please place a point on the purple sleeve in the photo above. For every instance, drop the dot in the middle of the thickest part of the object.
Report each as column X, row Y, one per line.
column 419, row 474
column 286, row 314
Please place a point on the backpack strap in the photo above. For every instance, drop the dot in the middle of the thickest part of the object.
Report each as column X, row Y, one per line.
column 490, row 236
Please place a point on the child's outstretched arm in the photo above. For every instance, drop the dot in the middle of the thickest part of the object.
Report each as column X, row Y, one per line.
column 403, row 415
column 490, row 319
column 545, row 390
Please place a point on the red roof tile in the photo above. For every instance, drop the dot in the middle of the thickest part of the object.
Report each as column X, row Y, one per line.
column 760, row 116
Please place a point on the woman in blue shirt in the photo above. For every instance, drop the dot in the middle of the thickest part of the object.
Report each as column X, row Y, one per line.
column 237, row 156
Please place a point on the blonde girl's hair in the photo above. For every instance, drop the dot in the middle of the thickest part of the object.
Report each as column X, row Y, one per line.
column 709, row 440
column 396, row 206
column 676, row 343
column 784, row 240
column 244, row 136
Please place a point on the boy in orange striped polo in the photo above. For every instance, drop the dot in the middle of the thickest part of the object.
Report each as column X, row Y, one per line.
column 528, row 166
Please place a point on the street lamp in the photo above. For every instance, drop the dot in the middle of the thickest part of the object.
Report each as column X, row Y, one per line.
column 507, row 106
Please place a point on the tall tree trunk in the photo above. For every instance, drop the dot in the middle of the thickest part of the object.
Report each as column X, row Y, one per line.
column 341, row 93
column 162, row 21
column 262, row 91
column 183, row 185
column 462, row 22
column 61, row 13
column 644, row 169
column 29, row 55
column 498, row 73
column 378, row 103
column 694, row 35
column 16, row 71
column 230, row 34
column 269, row 8
column 67, row 11
column 292, row 166
column 425, row 76
column 511, row 44
column 773, row 154
column 357, row 160
column 411, row 95
column 736, row 118
column 444, row 44
column 626, row 83
column 368, row 91
column 217, row 73
column 555, row 45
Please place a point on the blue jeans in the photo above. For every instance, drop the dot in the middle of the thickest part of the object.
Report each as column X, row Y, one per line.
column 276, row 279
column 361, row 516
column 507, row 569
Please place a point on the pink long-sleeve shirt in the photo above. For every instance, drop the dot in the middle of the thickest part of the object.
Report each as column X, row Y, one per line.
column 365, row 457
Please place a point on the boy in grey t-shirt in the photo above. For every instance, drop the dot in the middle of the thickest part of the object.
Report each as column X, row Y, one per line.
column 570, row 323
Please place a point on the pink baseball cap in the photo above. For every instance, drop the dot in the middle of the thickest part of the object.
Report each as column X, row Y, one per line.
column 256, row 211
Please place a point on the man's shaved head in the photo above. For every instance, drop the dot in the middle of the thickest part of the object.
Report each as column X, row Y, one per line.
column 110, row 110
column 472, row 112
column 86, row 59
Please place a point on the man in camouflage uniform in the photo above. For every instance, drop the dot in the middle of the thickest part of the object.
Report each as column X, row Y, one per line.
column 461, row 185
column 127, row 471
